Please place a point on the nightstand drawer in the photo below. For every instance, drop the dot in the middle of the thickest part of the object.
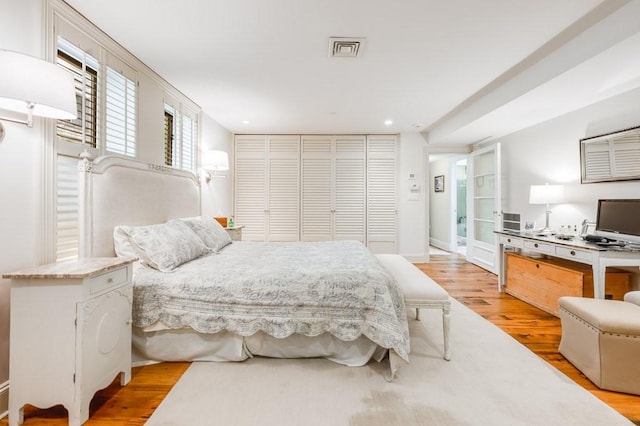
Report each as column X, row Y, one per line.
column 105, row 281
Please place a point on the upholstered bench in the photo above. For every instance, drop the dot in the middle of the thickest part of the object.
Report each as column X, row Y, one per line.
column 419, row 291
column 602, row 339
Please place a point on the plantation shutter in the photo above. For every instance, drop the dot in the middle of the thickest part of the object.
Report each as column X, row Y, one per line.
column 283, row 215
column 317, row 188
column 611, row 157
column 67, row 214
column 250, row 154
column 84, row 69
column 381, row 193
column 169, row 131
column 120, row 109
column 350, row 188
column 187, row 157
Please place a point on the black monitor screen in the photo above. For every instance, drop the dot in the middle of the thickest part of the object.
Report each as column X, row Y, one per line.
column 619, row 216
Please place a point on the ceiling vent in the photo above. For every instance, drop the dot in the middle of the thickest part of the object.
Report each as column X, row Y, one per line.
column 345, row 47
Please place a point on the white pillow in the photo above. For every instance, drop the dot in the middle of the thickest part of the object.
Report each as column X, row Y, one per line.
column 166, row 246
column 210, row 231
column 122, row 243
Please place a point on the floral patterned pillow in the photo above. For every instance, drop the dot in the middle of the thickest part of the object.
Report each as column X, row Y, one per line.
column 168, row 245
column 209, row 231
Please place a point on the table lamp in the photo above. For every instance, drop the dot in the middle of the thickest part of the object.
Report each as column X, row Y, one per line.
column 546, row 194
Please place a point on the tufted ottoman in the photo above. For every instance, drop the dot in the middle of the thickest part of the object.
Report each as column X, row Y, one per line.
column 602, row 339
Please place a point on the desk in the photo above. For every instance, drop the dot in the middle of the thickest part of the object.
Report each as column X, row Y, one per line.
column 577, row 250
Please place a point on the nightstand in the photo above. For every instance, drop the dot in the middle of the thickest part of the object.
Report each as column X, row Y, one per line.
column 235, row 232
column 70, row 334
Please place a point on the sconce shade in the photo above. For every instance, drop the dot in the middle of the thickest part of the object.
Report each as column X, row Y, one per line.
column 215, row 160
column 26, row 81
column 546, row 194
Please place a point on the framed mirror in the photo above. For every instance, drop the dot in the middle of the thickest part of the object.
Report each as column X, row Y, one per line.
column 611, row 157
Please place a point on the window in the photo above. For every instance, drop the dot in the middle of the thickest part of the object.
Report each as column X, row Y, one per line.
column 179, row 139
column 84, row 68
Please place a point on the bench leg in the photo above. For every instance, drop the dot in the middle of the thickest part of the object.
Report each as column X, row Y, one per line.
column 417, row 314
column 446, row 309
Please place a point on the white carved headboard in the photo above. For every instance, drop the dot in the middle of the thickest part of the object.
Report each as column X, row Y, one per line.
column 118, row 191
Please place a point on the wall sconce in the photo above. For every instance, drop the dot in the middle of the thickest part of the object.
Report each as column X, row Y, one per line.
column 34, row 87
column 546, row 194
column 214, row 161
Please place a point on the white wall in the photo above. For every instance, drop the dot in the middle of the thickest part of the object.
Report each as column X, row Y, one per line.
column 217, row 194
column 20, row 156
column 440, row 207
column 412, row 226
column 550, row 152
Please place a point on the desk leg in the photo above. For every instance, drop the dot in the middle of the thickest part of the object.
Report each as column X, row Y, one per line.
column 599, row 274
column 501, row 267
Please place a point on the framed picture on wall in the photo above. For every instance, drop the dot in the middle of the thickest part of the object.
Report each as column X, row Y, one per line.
column 438, row 183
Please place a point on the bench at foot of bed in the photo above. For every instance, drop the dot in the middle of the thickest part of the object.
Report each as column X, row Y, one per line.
column 419, row 290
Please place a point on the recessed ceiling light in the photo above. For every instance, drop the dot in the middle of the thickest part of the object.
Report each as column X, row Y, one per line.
column 417, row 125
column 388, row 122
column 245, row 122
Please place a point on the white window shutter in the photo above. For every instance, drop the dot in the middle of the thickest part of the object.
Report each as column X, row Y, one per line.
column 120, row 114
column 67, row 214
column 187, row 151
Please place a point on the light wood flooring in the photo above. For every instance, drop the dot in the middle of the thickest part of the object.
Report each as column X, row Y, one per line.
column 469, row 284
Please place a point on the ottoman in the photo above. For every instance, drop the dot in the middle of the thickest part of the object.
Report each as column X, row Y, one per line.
column 602, row 339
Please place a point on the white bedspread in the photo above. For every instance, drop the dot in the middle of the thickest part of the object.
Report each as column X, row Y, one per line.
column 306, row 288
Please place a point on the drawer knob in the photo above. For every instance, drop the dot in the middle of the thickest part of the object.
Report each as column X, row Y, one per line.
column 573, row 253
column 538, row 265
column 535, row 245
column 508, row 240
column 110, row 280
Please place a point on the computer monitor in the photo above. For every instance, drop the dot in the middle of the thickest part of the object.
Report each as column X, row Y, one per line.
column 619, row 220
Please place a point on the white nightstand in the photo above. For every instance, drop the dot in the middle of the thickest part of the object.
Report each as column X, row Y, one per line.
column 70, row 334
column 235, row 232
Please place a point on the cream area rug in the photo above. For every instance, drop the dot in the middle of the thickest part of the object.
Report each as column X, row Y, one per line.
column 490, row 380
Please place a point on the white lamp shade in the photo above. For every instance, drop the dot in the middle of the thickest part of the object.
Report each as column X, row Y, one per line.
column 28, row 80
column 546, row 194
column 215, row 160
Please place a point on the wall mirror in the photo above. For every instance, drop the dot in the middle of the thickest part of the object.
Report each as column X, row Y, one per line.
column 611, row 157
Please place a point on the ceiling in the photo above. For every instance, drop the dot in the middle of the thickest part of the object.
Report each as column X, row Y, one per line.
column 456, row 71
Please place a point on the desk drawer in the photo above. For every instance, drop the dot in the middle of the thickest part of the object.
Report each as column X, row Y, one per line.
column 539, row 247
column 511, row 241
column 573, row 254
column 107, row 280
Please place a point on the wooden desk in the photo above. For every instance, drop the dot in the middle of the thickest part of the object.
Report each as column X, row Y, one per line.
column 577, row 250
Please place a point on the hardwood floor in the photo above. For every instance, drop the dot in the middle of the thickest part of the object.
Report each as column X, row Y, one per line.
column 476, row 288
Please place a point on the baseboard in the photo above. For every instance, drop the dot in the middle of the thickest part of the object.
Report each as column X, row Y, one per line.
column 442, row 245
column 4, row 399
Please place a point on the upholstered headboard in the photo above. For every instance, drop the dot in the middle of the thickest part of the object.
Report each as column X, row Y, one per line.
column 117, row 191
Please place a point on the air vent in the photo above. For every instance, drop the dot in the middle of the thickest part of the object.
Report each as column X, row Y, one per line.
column 345, row 47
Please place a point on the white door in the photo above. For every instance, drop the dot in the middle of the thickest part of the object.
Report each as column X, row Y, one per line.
column 484, row 207
column 382, row 187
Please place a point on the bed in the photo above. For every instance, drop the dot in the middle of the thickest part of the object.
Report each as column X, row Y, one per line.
column 199, row 296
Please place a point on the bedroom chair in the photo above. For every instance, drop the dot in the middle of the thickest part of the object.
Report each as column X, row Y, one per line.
column 602, row 339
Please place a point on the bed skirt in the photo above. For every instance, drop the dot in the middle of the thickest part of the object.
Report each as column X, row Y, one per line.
column 185, row 344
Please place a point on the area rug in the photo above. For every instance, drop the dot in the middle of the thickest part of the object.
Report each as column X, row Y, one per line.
column 490, row 380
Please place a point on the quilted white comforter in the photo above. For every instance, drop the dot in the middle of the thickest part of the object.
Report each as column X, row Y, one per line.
column 307, row 288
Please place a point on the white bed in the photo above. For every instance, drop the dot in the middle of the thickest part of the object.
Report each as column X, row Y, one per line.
column 117, row 192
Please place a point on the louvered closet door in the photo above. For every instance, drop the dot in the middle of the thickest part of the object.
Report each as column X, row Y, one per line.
column 350, row 188
column 381, row 193
column 316, row 213
column 251, row 185
column 283, row 215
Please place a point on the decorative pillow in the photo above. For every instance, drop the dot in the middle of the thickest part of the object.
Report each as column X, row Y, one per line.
column 122, row 243
column 209, row 231
column 168, row 245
